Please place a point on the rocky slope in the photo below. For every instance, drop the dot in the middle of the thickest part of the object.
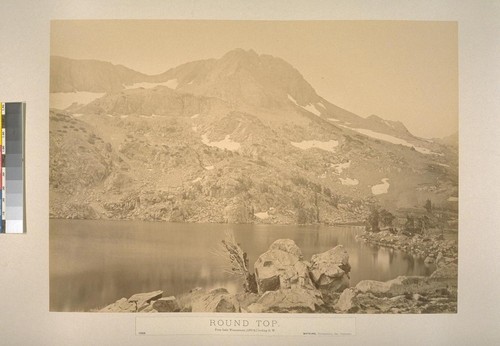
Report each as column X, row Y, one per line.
column 243, row 138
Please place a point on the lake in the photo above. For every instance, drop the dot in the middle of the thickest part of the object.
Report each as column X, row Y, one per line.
column 93, row 263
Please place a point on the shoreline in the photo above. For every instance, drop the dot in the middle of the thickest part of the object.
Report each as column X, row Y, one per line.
column 436, row 293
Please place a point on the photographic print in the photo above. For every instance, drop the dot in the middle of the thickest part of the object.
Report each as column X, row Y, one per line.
column 253, row 166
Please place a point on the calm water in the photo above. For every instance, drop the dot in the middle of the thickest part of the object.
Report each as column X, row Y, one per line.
column 94, row 263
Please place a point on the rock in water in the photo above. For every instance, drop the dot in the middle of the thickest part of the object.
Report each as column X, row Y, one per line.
column 168, row 304
column 217, row 300
column 281, row 267
column 329, row 270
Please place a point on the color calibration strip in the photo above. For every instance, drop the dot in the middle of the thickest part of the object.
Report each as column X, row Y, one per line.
column 12, row 165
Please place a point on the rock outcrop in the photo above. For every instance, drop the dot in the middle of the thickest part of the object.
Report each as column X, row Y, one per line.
column 140, row 302
column 168, row 304
column 405, row 294
column 330, row 270
column 292, row 300
column 217, row 300
column 281, row 267
column 289, row 284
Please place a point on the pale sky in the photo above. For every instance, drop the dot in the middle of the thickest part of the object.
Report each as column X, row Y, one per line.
column 398, row 70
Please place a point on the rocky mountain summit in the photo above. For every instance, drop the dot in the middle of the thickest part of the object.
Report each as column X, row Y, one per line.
column 241, row 139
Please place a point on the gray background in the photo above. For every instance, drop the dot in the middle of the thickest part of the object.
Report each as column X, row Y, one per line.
column 24, row 76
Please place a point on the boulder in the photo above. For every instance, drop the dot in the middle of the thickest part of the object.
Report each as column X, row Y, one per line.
column 245, row 299
column 445, row 273
column 353, row 301
column 281, row 267
column 330, row 270
column 347, row 300
column 288, row 300
column 397, row 286
column 141, row 299
column 121, row 305
column 168, row 304
column 217, row 300
column 148, row 308
column 186, row 300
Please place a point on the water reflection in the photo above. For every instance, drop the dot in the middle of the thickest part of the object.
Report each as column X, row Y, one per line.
column 94, row 263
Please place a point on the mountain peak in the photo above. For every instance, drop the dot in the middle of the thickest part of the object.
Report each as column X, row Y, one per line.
column 240, row 53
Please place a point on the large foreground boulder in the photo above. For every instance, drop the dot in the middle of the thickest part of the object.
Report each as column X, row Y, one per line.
column 217, row 300
column 330, row 270
column 281, row 267
column 293, row 300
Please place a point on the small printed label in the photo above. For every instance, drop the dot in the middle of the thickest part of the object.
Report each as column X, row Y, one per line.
column 273, row 326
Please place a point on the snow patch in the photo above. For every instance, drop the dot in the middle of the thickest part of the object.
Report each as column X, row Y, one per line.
column 349, row 181
column 263, row 215
column 327, row 146
column 293, row 100
column 171, row 83
column 394, row 140
column 64, row 100
column 332, row 119
column 209, row 168
column 310, row 107
column 339, row 167
column 195, row 116
column 388, row 124
column 441, row 164
column 226, row 143
column 381, row 188
column 196, row 180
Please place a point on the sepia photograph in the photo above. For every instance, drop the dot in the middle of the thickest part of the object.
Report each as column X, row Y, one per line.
column 253, row 166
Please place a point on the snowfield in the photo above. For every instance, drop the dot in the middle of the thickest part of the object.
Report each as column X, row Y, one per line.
column 327, row 146
column 393, row 140
column 226, row 143
column 64, row 100
column 381, row 188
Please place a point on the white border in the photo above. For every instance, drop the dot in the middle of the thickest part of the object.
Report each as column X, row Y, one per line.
column 24, row 259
